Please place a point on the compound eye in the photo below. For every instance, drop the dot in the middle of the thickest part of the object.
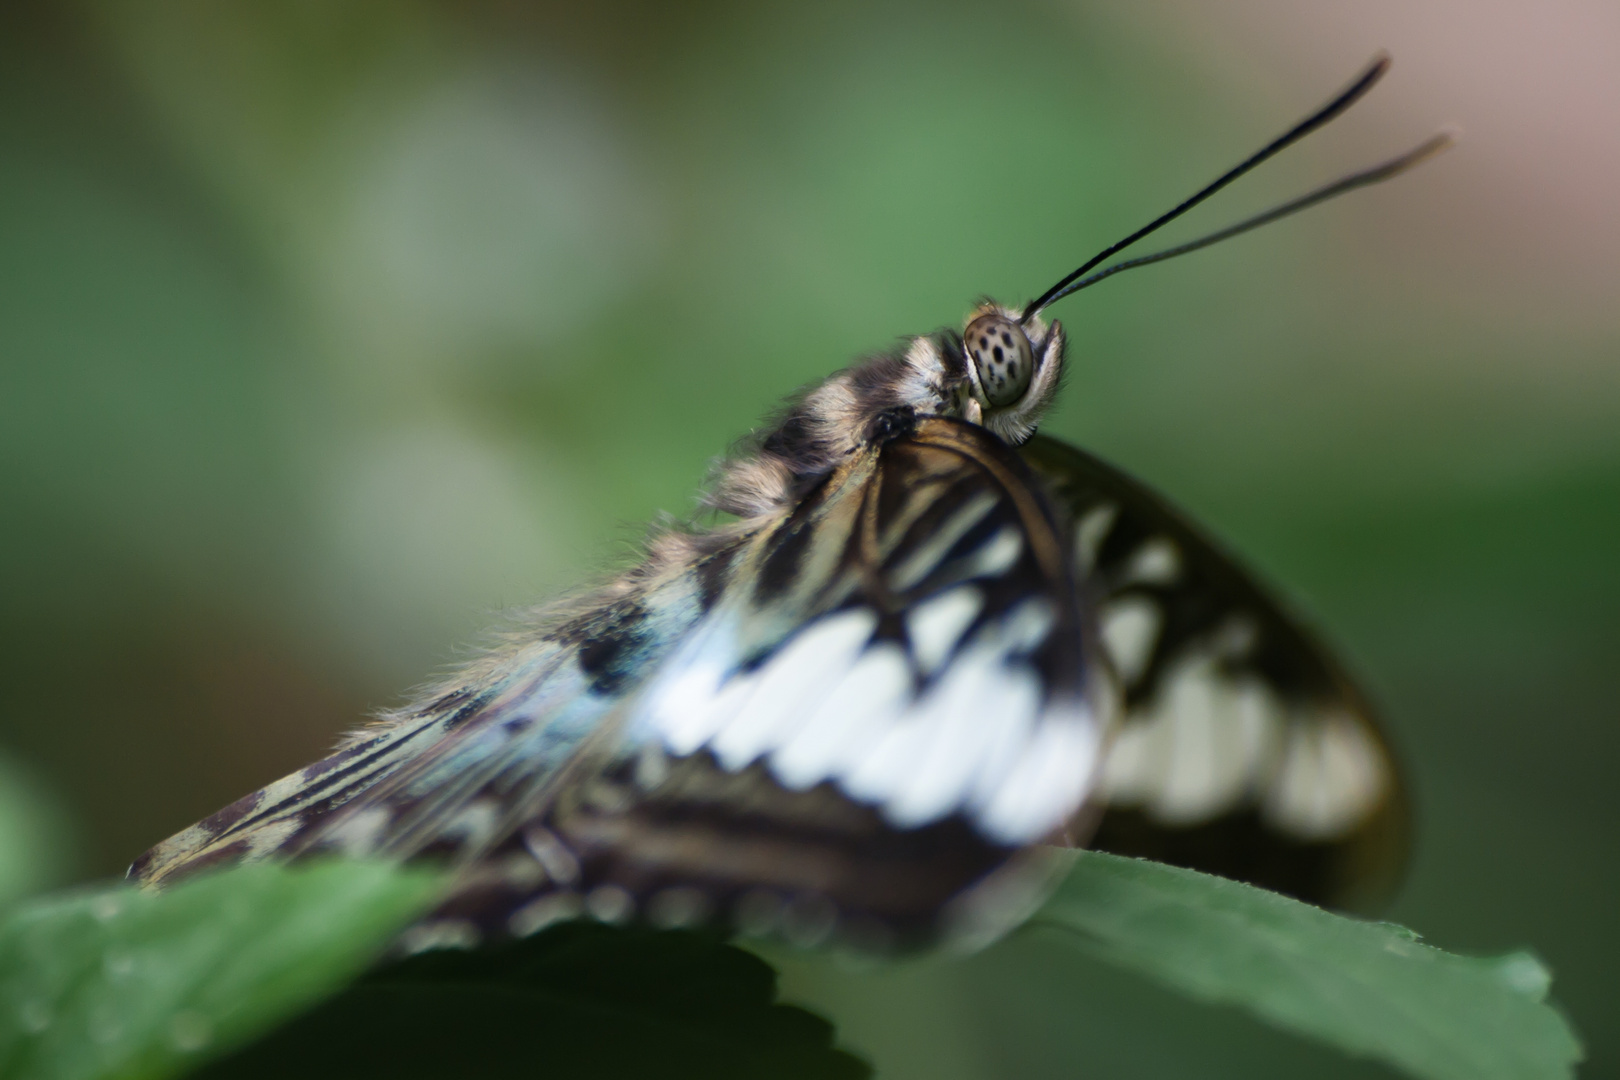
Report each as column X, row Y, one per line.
column 1002, row 355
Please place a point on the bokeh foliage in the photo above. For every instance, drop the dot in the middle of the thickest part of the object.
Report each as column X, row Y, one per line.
column 327, row 330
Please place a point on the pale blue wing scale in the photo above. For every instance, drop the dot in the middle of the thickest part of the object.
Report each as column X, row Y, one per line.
column 452, row 772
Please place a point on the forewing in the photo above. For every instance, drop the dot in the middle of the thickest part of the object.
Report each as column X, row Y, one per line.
column 453, row 775
column 1245, row 750
column 270, row 821
column 895, row 698
column 855, row 720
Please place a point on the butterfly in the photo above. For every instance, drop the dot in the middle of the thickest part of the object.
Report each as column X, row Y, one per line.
column 917, row 645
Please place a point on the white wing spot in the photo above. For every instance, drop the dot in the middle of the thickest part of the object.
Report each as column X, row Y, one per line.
column 443, row 934
column 998, row 554
column 1090, row 534
column 552, row 854
column 920, row 563
column 1200, row 748
column 980, row 699
column 356, row 834
column 518, row 871
column 1332, row 776
column 609, row 904
column 474, row 824
column 682, row 705
column 979, row 741
column 536, row 915
column 1049, row 780
column 1157, row 562
column 1028, row 624
column 787, row 686
column 937, row 624
column 1006, row 738
column 269, row 838
column 652, row 766
column 712, row 716
column 1220, row 731
column 849, row 719
column 1131, row 772
column 1130, row 629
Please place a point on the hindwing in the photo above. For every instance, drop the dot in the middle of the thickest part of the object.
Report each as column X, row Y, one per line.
column 1245, row 750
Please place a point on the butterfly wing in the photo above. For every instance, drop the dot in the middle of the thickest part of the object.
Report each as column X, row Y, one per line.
column 438, row 778
column 894, row 697
column 897, row 694
column 1245, row 750
column 856, row 720
column 451, row 775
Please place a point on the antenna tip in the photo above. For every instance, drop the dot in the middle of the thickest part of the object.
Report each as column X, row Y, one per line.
column 1374, row 71
column 1444, row 139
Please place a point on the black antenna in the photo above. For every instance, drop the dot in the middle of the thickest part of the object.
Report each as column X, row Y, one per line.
column 1347, row 97
column 1374, row 175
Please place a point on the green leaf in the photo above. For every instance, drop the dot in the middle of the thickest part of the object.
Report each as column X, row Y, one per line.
column 118, row 982
column 1368, row 988
column 121, row 983
column 36, row 839
column 580, row 999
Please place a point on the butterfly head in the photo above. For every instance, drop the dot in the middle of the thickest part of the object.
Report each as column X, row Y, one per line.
column 1010, row 370
column 1003, row 370
column 1002, row 359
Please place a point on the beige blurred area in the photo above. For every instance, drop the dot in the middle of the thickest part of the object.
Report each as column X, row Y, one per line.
column 1501, row 268
column 331, row 333
column 1528, row 221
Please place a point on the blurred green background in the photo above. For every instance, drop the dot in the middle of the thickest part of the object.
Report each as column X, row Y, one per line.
column 328, row 330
